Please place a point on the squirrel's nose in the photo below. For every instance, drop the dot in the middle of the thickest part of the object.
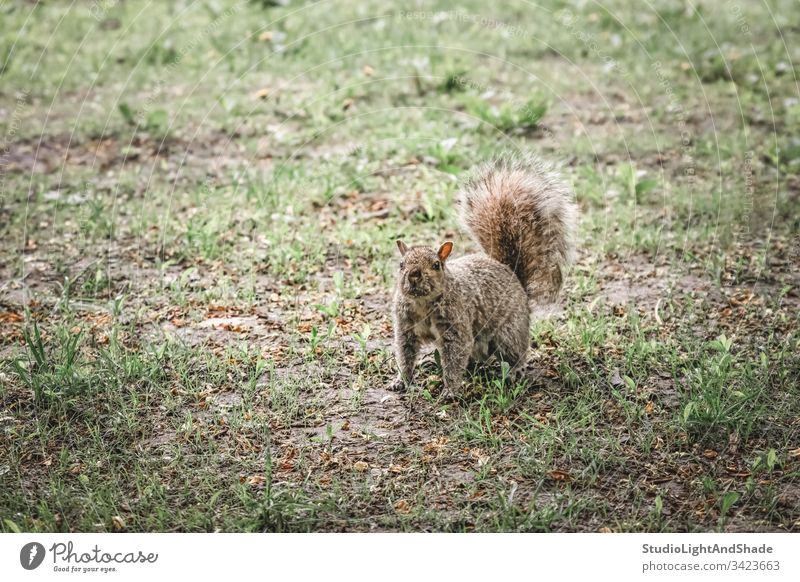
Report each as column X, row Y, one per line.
column 414, row 275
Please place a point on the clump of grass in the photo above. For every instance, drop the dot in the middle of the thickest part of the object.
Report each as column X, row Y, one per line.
column 633, row 184
column 723, row 395
column 508, row 117
column 51, row 372
column 499, row 395
column 454, row 82
column 448, row 159
column 282, row 507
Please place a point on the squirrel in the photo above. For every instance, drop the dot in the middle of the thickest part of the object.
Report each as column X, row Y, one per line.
column 523, row 217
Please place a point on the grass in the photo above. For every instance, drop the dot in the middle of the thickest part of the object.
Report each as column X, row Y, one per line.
column 199, row 203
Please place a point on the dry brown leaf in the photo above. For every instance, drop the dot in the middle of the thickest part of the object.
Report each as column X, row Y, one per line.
column 286, row 464
column 480, row 456
column 710, row 454
column 559, row 475
column 402, row 506
column 256, row 480
column 216, row 310
column 261, row 93
column 119, row 523
column 99, row 319
column 232, row 327
column 742, row 297
column 435, row 445
column 11, row 317
column 360, row 466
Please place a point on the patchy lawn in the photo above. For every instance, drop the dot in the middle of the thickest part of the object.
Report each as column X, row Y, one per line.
column 199, row 202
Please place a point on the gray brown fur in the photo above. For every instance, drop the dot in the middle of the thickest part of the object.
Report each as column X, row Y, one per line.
column 478, row 306
column 521, row 214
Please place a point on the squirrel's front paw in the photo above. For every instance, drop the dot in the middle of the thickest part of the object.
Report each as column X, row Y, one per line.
column 398, row 385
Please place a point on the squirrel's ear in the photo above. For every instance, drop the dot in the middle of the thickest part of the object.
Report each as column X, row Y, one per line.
column 401, row 246
column 445, row 250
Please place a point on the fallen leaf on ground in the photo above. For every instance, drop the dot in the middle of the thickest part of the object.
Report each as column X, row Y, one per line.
column 286, row 464
column 11, row 317
column 436, row 445
column 99, row 319
column 402, row 506
column 256, row 480
column 558, row 475
column 232, row 327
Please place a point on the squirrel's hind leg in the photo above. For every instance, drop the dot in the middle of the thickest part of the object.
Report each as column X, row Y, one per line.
column 512, row 348
column 456, row 349
column 517, row 366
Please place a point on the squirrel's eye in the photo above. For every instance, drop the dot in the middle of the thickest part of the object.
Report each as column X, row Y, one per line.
column 436, row 266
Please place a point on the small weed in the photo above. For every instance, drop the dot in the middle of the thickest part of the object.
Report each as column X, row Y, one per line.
column 51, row 372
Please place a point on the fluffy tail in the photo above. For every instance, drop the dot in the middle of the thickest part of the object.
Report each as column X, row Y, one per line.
column 520, row 212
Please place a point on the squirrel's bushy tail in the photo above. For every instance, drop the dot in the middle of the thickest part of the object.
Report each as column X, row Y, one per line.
column 520, row 212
